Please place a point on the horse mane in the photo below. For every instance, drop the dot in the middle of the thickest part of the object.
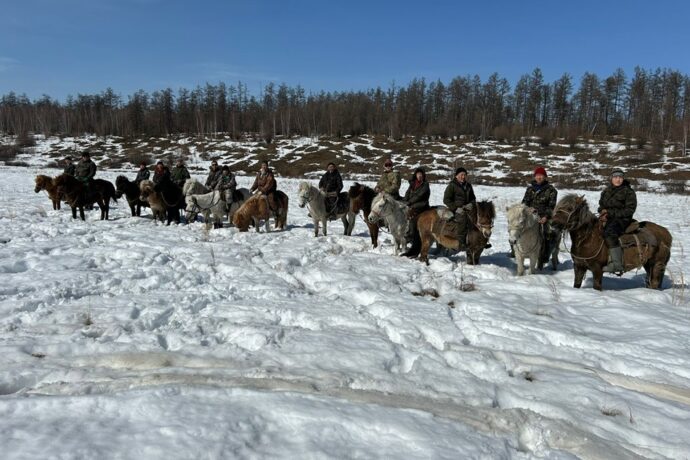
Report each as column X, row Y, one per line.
column 572, row 201
column 486, row 208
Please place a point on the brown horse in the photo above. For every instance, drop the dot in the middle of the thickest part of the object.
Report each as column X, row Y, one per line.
column 256, row 209
column 645, row 244
column 46, row 183
column 77, row 194
column 433, row 225
column 361, row 198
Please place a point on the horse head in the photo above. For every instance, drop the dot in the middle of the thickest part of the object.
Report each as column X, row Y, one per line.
column 303, row 194
column 570, row 212
column 379, row 207
column 40, row 183
column 518, row 221
column 145, row 189
column 486, row 213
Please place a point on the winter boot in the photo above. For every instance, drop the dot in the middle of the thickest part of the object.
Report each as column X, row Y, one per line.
column 615, row 261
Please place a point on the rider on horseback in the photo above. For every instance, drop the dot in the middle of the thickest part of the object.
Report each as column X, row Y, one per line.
column 265, row 183
column 226, row 185
column 214, row 173
column 69, row 167
column 143, row 173
column 179, row 173
column 417, row 199
column 459, row 198
column 85, row 169
column 616, row 208
column 389, row 181
column 331, row 184
column 541, row 198
column 160, row 172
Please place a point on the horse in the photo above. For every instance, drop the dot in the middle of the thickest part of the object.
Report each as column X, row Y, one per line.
column 361, row 197
column 46, row 183
column 315, row 200
column 131, row 191
column 256, row 208
column 77, row 194
column 214, row 203
column 192, row 187
column 149, row 195
column 526, row 236
column 394, row 214
column 436, row 225
column 165, row 199
column 645, row 244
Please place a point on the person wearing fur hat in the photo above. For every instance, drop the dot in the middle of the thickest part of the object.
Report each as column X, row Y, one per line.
column 417, row 199
column 541, row 198
column 459, row 198
column 617, row 206
column 390, row 180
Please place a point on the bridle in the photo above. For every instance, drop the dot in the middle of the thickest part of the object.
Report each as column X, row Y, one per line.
column 482, row 227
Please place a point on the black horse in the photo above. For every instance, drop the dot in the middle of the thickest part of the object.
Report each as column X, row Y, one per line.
column 172, row 197
column 78, row 194
column 131, row 191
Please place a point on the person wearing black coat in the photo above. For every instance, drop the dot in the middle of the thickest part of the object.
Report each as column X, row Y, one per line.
column 143, row 173
column 331, row 184
column 617, row 206
column 459, row 197
column 417, row 199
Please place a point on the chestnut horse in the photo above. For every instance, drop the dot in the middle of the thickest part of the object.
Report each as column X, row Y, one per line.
column 46, row 183
column 434, row 225
column 645, row 244
column 77, row 194
column 256, row 209
column 361, row 198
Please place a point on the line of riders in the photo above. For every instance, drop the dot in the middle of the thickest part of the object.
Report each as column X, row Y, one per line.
column 617, row 203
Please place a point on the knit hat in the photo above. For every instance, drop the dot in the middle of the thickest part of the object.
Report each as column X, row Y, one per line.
column 86, row 155
column 459, row 170
column 388, row 162
column 540, row 171
column 618, row 172
column 225, row 168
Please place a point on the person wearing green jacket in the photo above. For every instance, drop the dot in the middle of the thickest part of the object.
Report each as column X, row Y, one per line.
column 459, row 198
column 617, row 206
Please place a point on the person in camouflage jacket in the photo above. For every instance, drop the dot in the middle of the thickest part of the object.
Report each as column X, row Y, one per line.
column 417, row 199
column 617, row 206
column 179, row 174
column 541, row 196
column 459, row 197
column 85, row 170
column 227, row 184
column 390, row 180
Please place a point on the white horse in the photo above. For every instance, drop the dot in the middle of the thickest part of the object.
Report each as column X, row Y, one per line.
column 394, row 214
column 315, row 200
column 192, row 187
column 214, row 203
column 525, row 235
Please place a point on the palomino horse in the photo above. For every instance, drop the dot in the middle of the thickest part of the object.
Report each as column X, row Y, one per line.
column 192, row 187
column 436, row 225
column 213, row 203
column 526, row 237
column 256, row 209
column 361, row 198
column 131, row 191
column 645, row 244
column 315, row 200
column 77, row 194
column 394, row 214
column 46, row 183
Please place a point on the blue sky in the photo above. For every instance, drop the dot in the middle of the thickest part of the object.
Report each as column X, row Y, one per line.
column 61, row 47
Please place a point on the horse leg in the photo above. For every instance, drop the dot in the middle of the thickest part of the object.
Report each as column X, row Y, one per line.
column 598, row 276
column 81, row 212
column 74, row 212
column 316, row 227
column 346, row 224
column 535, row 262
column 580, row 272
column 554, row 258
column 325, row 226
column 424, row 250
column 520, row 260
column 350, row 223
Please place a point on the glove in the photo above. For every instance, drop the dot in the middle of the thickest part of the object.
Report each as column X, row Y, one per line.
column 604, row 216
column 411, row 213
column 468, row 207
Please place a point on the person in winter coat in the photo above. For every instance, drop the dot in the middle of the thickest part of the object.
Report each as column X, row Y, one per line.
column 617, row 206
column 213, row 175
column 265, row 183
column 143, row 173
column 85, row 169
column 459, row 198
column 69, row 168
column 417, row 199
column 179, row 173
column 541, row 197
column 160, row 172
column 389, row 181
column 331, row 184
column 226, row 184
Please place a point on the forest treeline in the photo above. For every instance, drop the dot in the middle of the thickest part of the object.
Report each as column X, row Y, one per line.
column 650, row 105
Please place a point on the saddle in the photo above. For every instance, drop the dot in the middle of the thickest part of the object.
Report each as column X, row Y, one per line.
column 337, row 203
column 636, row 235
column 445, row 225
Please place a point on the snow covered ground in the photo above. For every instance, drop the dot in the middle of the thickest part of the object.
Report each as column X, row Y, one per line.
column 128, row 339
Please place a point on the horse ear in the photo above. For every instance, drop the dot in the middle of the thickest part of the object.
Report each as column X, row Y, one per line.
column 507, row 208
